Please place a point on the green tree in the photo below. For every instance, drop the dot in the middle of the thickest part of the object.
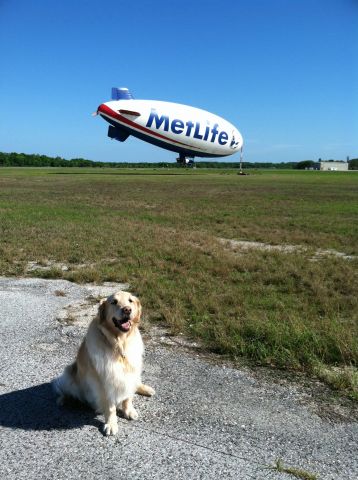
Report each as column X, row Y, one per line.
column 353, row 164
column 305, row 164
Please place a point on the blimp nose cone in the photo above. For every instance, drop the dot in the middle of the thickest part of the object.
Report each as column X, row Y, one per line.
column 236, row 140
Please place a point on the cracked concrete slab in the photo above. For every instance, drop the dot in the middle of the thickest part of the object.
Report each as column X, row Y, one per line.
column 206, row 421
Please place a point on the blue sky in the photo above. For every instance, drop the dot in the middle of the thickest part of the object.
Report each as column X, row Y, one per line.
column 285, row 72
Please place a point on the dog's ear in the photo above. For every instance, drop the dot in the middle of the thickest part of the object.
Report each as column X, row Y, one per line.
column 102, row 310
column 139, row 309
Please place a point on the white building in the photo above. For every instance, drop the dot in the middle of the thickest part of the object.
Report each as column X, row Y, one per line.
column 333, row 166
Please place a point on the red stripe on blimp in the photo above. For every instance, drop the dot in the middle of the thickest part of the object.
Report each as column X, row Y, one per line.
column 112, row 114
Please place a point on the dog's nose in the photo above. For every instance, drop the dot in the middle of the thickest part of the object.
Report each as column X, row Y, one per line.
column 127, row 310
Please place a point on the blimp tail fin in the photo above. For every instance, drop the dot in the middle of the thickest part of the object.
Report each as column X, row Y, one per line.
column 121, row 94
column 117, row 133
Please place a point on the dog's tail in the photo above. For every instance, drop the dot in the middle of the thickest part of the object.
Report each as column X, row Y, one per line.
column 65, row 385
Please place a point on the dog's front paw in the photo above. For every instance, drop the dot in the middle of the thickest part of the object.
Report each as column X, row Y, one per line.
column 145, row 390
column 130, row 414
column 149, row 391
column 110, row 428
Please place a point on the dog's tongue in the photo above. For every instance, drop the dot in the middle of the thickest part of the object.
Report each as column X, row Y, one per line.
column 126, row 325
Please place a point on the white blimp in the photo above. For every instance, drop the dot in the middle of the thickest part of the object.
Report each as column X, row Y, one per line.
column 188, row 131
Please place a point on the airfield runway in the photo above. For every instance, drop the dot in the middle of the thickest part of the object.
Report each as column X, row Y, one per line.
column 207, row 420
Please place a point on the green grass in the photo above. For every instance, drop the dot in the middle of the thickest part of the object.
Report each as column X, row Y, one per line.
column 295, row 472
column 159, row 231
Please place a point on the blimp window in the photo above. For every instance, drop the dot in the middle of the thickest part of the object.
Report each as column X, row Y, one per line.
column 129, row 112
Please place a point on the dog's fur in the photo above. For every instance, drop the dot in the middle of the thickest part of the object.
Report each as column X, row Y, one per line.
column 107, row 370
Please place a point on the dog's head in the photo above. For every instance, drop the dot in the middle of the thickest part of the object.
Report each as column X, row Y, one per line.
column 120, row 312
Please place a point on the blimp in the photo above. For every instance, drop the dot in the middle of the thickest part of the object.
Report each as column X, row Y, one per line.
column 188, row 131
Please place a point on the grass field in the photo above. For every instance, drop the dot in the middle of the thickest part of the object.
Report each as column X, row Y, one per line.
column 160, row 231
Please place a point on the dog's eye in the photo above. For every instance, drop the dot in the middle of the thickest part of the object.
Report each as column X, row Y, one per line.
column 130, row 300
column 114, row 301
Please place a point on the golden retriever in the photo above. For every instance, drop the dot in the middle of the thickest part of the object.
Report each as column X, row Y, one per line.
column 107, row 371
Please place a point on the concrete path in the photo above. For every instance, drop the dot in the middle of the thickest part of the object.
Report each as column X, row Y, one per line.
column 206, row 421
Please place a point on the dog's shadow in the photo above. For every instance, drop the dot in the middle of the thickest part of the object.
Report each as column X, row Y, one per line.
column 35, row 408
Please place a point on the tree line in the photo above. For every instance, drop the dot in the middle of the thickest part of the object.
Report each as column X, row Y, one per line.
column 34, row 160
